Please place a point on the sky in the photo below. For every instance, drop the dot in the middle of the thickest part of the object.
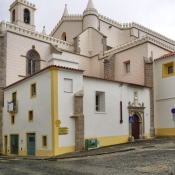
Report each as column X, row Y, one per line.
column 158, row 15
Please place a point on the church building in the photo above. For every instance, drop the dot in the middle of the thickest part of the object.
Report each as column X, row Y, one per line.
column 81, row 82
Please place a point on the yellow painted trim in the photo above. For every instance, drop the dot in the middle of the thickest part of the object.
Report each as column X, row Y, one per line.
column 54, row 108
column 33, row 96
column 29, row 116
column 13, row 112
column 147, row 135
column 165, row 69
column 43, row 141
column 112, row 140
column 13, row 93
column 32, row 132
column 44, row 153
column 11, row 119
column 4, row 144
column 165, row 132
column 63, row 150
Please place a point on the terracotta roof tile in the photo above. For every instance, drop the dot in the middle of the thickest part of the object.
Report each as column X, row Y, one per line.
column 51, row 66
column 115, row 81
column 165, row 56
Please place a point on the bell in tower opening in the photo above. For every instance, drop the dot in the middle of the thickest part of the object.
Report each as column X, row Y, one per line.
column 27, row 16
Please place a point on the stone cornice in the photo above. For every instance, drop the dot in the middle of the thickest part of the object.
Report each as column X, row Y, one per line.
column 137, row 26
column 138, row 42
column 27, row 3
column 6, row 26
column 66, row 18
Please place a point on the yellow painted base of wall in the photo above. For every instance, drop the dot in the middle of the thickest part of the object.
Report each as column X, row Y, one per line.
column 112, row 140
column 63, row 150
column 165, row 132
column 147, row 135
column 44, row 153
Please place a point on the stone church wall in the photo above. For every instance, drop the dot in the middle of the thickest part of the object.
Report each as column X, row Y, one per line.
column 2, row 80
column 135, row 57
column 72, row 29
column 16, row 65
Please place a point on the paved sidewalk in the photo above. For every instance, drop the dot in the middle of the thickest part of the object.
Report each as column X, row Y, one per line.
column 139, row 144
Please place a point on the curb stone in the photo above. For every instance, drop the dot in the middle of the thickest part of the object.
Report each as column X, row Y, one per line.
column 103, row 153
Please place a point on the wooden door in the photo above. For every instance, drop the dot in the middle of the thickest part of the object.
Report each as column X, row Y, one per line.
column 135, row 127
column 14, row 144
column 5, row 144
column 30, row 144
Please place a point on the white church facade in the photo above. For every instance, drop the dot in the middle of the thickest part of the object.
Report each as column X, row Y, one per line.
column 91, row 73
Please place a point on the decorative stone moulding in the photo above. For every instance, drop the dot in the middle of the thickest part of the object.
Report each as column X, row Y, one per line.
column 30, row 33
column 135, row 25
column 139, row 41
column 65, row 18
column 23, row 2
column 90, row 11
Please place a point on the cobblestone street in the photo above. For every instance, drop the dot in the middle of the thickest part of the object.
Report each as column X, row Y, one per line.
column 153, row 160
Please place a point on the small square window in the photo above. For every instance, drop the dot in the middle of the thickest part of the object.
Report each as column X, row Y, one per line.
column 12, row 119
column 30, row 116
column 44, row 140
column 33, row 90
column 170, row 69
column 100, row 101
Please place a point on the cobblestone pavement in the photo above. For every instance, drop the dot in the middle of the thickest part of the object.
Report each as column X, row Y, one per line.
column 158, row 160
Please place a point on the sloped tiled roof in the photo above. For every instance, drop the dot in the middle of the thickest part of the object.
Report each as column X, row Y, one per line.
column 165, row 56
column 48, row 67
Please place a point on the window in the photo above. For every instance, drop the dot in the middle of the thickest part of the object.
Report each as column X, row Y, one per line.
column 31, row 66
column 30, row 116
column 127, row 65
column 44, row 141
column 63, row 37
column 33, row 90
column 14, row 97
column 100, row 101
column 33, row 61
column 168, row 69
column 12, row 119
column 13, row 16
column 68, row 85
column 27, row 16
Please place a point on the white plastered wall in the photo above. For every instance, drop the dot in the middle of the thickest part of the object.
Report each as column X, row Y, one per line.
column 107, row 123
column 66, row 105
column 164, row 96
column 41, row 106
column 16, row 46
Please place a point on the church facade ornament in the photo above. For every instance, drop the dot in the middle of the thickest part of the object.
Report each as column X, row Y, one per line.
column 137, row 109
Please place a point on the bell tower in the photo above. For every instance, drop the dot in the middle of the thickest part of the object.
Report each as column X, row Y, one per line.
column 22, row 14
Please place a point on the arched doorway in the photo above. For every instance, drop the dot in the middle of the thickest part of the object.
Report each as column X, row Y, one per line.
column 135, row 127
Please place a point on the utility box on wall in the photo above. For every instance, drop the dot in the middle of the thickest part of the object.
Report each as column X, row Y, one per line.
column 91, row 144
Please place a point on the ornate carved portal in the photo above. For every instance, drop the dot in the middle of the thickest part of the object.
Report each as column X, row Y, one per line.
column 137, row 109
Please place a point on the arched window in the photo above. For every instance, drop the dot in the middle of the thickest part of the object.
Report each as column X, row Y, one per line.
column 63, row 37
column 26, row 16
column 13, row 16
column 32, row 63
